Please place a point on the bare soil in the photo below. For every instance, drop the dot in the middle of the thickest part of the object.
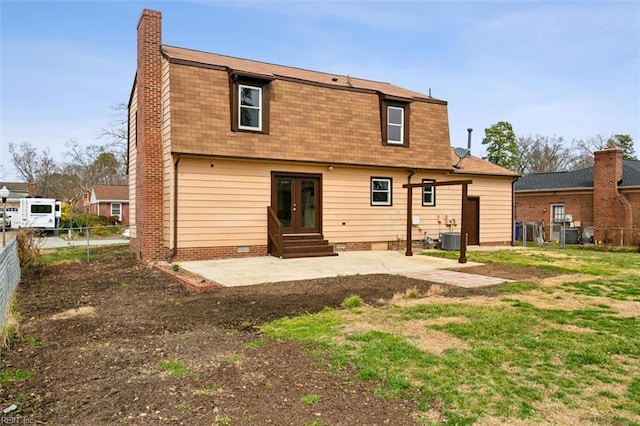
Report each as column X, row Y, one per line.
column 96, row 336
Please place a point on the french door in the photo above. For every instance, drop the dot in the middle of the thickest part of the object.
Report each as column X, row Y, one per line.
column 296, row 199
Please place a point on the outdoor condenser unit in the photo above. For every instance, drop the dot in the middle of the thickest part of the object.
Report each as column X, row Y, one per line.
column 450, row 241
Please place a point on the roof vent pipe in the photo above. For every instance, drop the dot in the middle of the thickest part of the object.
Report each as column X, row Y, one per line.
column 469, row 140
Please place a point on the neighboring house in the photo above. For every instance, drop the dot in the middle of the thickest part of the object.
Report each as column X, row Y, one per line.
column 231, row 157
column 17, row 190
column 602, row 201
column 109, row 200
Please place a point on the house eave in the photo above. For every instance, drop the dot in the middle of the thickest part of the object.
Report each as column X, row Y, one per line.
column 110, row 201
column 629, row 188
column 309, row 162
column 553, row 190
column 479, row 173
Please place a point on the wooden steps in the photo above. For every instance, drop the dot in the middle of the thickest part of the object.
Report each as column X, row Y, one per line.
column 313, row 245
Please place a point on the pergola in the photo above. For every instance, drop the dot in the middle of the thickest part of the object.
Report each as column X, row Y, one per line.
column 463, row 230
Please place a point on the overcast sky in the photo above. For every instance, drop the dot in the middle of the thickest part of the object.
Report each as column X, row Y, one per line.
column 561, row 68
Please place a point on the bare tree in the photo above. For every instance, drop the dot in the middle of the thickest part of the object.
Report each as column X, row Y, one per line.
column 90, row 166
column 33, row 166
column 587, row 147
column 25, row 160
column 541, row 154
column 117, row 135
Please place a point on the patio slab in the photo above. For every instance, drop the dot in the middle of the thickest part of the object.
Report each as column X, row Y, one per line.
column 257, row 270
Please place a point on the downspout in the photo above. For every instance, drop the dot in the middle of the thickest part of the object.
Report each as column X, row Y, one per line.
column 513, row 212
column 409, row 247
column 174, row 250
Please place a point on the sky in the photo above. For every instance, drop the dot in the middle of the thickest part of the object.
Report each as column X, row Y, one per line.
column 566, row 69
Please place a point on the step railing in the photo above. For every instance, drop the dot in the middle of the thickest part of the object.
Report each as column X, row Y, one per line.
column 274, row 232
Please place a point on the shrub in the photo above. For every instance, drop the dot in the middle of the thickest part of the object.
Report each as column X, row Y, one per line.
column 82, row 220
column 28, row 249
column 352, row 302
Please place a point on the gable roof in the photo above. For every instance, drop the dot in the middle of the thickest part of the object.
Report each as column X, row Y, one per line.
column 272, row 71
column 110, row 193
column 478, row 166
column 576, row 179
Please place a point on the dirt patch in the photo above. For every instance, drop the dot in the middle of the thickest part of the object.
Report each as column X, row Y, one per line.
column 415, row 331
column 501, row 270
column 118, row 342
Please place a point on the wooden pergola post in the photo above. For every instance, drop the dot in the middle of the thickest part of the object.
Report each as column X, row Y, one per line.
column 463, row 227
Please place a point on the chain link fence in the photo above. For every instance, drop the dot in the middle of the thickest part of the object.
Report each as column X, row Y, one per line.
column 561, row 234
column 9, row 276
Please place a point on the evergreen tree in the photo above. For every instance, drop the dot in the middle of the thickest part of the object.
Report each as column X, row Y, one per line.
column 502, row 148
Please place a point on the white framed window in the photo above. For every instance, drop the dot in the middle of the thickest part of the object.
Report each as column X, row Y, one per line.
column 395, row 125
column 116, row 209
column 428, row 194
column 249, row 107
column 381, row 192
column 557, row 213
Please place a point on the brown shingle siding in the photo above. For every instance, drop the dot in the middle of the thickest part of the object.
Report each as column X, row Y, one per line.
column 307, row 123
column 244, row 66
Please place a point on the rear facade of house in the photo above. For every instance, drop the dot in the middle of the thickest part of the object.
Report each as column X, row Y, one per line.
column 230, row 157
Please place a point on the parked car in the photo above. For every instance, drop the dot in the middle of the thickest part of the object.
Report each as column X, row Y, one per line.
column 7, row 224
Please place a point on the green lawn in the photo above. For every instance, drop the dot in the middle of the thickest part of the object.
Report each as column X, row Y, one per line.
column 564, row 350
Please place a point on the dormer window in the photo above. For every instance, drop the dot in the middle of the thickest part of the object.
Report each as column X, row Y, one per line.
column 395, row 125
column 395, row 122
column 250, row 107
column 250, row 103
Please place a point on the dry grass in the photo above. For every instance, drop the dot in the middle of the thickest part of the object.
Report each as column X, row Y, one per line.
column 88, row 311
column 10, row 327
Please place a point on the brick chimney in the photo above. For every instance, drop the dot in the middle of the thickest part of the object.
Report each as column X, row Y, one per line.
column 32, row 189
column 149, row 238
column 611, row 210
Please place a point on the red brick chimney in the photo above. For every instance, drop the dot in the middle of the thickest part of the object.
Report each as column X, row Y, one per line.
column 32, row 189
column 148, row 242
column 611, row 210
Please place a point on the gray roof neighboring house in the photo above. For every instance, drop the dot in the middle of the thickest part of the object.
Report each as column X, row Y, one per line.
column 575, row 179
column 17, row 190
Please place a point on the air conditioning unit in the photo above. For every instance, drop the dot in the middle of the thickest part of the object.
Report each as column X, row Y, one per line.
column 450, row 241
column 563, row 219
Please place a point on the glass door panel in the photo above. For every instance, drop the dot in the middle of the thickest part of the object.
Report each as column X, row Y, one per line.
column 307, row 204
column 284, row 197
column 297, row 203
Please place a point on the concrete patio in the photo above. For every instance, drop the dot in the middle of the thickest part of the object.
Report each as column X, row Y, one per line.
column 256, row 270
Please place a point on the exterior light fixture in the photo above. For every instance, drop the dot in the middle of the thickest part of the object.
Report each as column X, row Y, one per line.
column 4, row 193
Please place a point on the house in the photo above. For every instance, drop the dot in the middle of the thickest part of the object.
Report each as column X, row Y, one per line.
column 602, row 201
column 233, row 157
column 17, row 190
column 108, row 200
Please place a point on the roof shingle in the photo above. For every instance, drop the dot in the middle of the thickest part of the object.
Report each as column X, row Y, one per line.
column 582, row 178
column 275, row 71
column 111, row 192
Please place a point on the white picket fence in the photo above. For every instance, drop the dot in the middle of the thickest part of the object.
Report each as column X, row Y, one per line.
column 9, row 276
